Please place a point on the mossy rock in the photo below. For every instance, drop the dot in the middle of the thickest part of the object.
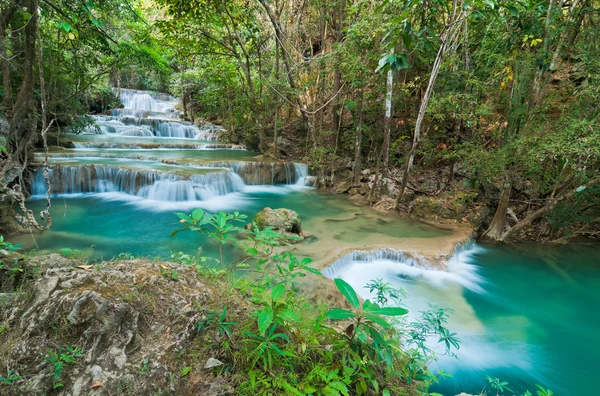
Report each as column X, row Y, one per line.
column 282, row 220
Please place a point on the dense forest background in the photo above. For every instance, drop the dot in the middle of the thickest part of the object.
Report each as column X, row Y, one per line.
column 444, row 104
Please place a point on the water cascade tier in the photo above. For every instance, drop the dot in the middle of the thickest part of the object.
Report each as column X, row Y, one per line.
column 148, row 184
column 166, row 186
column 148, row 114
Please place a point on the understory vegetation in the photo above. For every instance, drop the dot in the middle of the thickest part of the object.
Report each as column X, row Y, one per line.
column 259, row 335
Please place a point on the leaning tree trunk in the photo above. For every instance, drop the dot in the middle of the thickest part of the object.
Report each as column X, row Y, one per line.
column 447, row 39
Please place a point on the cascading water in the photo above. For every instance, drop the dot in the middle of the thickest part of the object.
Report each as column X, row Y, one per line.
column 148, row 114
column 266, row 173
column 147, row 184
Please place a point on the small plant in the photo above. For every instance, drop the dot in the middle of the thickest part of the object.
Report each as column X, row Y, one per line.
column 216, row 321
column 217, row 228
column 5, row 245
column 169, row 273
column 59, row 360
column 76, row 254
column 385, row 291
column 10, row 378
column 499, row 386
column 367, row 321
column 266, row 346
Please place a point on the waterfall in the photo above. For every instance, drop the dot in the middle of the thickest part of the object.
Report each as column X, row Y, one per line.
column 144, row 100
column 146, row 184
column 409, row 265
column 265, row 173
column 149, row 114
column 370, row 256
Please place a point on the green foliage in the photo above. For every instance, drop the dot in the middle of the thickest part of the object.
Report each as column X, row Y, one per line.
column 60, row 359
column 5, row 245
column 76, row 254
column 217, row 321
column 217, row 228
column 10, row 378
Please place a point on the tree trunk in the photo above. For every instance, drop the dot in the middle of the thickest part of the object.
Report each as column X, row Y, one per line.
column 23, row 122
column 447, row 39
column 279, row 37
column 385, row 151
column 337, row 74
column 7, row 91
column 358, row 138
column 497, row 227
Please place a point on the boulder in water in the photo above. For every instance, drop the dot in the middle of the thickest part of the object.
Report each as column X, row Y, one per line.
column 285, row 221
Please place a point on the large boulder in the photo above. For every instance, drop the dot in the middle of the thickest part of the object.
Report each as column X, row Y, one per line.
column 285, row 221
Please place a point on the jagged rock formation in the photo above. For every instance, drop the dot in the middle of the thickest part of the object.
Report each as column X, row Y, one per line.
column 132, row 320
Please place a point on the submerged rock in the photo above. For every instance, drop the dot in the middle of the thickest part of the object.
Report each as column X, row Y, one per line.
column 285, row 221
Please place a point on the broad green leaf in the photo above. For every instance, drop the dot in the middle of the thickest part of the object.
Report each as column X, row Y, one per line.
column 277, row 291
column 339, row 314
column 389, row 311
column 198, row 214
column 265, row 318
column 347, row 291
column 288, row 316
column 379, row 320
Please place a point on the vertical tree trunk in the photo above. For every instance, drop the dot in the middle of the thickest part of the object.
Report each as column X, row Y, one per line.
column 7, row 91
column 23, row 124
column 358, row 138
column 385, row 151
column 337, row 74
column 275, row 130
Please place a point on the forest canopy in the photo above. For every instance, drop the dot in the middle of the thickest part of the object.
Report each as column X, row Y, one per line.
column 500, row 95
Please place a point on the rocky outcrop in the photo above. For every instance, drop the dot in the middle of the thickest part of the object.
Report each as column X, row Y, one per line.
column 130, row 319
column 285, row 221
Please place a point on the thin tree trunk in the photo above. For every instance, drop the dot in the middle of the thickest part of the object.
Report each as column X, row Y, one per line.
column 337, row 74
column 385, row 151
column 447, row 40
column 358, row 138
column 279, row 36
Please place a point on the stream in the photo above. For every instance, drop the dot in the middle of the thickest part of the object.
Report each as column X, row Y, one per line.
column 523, row 313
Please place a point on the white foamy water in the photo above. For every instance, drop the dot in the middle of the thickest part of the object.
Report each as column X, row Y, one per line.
column 480, row 349
column 150, row 114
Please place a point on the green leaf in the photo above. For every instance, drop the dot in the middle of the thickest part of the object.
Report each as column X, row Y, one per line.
column 290, row 389
column 379, row 320
column 513, row 10
column 277, row 291
column 313, row 270
column 386, row 392
column 339, row 314
column 198, row 214
column 389, row 311
column 185, row 371
column 347, row 291
column 288, row 316
column 265, row 318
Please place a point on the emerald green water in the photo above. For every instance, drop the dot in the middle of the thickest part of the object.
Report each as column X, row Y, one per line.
column 116, row 223
column 525, row 314
column 182, row 155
